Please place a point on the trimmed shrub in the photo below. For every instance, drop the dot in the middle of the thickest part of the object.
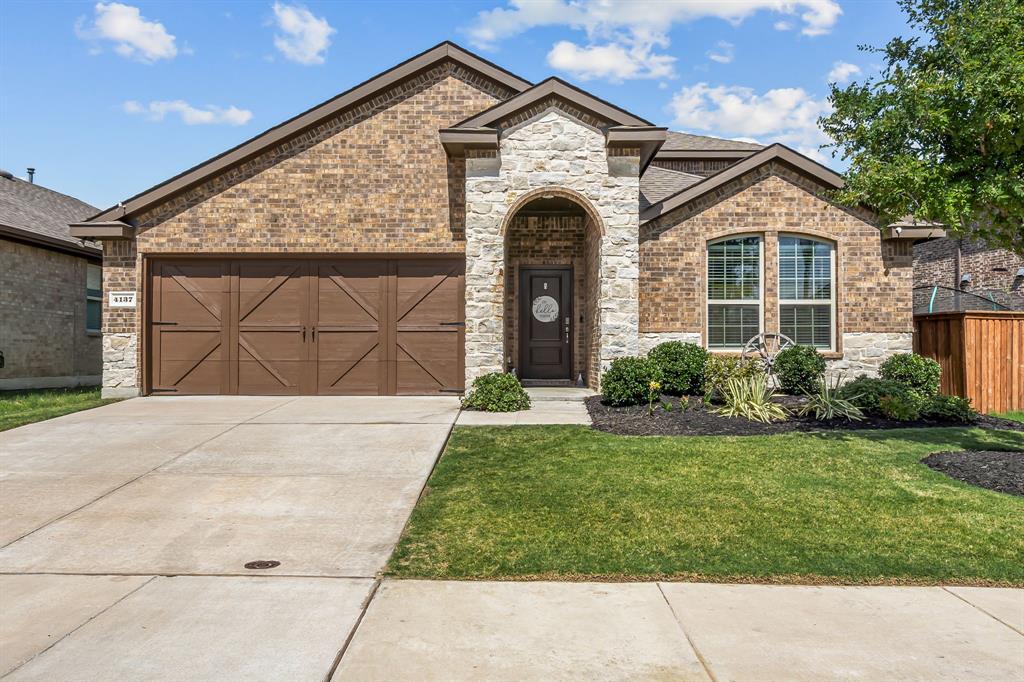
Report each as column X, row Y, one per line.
column 719, row 369
column 682, row 367
column 949, row 408
column 628, row 381
column 867, row 392
column 799, row 369
column 900, row 408
column 916, row 373
column 496, row 392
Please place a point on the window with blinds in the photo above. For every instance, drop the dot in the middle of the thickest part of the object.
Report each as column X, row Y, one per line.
column 807, row 291
column 734, row 291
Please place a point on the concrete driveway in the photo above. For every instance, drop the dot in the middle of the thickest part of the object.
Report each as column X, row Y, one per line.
column 125, row 530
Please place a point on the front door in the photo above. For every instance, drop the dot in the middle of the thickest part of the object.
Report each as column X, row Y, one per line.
column 545, row 317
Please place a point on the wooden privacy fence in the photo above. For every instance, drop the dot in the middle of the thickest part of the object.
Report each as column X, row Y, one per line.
column 981, row 353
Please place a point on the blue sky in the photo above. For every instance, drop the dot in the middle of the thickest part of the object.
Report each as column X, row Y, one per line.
column 107, row 99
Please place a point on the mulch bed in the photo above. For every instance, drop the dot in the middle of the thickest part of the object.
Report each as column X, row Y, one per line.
column 1002, row 471
column 698, row 420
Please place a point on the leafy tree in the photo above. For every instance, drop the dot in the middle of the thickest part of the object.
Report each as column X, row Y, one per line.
column 940, row 133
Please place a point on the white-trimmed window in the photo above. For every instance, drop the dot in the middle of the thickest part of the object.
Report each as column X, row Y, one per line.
column 807, row 292
column 93, row 297
column 734, row 291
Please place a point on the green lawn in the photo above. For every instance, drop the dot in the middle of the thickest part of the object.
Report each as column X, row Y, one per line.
column 568, row 502
column 18, row 408
column 1015, row 416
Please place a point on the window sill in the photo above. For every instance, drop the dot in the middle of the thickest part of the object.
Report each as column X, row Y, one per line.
column 93, row 332
column 827, row 354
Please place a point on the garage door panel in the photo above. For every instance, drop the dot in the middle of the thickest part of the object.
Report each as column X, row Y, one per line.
column 193, row 294
column 428, row 362
column 272, row 293
column 428, row 326
column 350, row 345
column 271, row 331
column 350, row 293
column 353, row 326
column 349, row 362
column 190, row 361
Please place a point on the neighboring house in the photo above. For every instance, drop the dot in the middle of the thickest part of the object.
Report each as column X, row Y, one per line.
column 995, row 275
column 50, row 290
column 446, row 219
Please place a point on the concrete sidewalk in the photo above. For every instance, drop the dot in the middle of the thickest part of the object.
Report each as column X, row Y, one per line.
column 433, row 630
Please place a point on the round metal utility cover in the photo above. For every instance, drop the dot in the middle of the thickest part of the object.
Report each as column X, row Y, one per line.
column 262, row 564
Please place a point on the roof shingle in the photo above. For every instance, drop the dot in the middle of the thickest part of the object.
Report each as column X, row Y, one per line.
column 32, row 208
column 658, row 183
column 687, row 142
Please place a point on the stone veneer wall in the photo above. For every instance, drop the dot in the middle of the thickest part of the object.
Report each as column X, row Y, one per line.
column 649, row 340
column 42, row 319
column 592, row 304
column 873, row 277
column 373, row 179
column 121, row 347
column 545, row 240
column 547, row 151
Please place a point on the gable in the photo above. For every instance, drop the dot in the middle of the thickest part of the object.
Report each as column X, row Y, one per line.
column 374, row 178
column 776, row 155
column 366, row 97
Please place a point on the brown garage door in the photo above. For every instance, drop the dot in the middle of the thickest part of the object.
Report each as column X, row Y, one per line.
column 355, row 326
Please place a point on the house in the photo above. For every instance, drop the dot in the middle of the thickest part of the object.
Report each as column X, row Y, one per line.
column 991, row 276
column 50, row 290
column 447, row 218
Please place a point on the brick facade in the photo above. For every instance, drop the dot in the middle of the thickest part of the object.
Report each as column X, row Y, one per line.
column 374, row 179
column 873, row 277
column 42, row 308
column 704, row 167
column 991, row 270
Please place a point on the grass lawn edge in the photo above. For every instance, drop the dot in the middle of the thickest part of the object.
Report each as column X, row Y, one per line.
column 415, row 569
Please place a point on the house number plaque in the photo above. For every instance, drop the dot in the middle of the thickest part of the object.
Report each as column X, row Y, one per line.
column 545, row 309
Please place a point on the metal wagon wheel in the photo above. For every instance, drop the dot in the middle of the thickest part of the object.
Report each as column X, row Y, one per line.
column 766, row 348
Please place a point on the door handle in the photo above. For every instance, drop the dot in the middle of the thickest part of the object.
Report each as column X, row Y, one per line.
column 314, row 334
column 567, row 330
column 303, row 334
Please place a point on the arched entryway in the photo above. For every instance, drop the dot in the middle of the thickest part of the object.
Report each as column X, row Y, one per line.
column 552, row 251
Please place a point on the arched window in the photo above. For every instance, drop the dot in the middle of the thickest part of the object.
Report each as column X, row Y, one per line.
column 807, row 298
column 734, row 291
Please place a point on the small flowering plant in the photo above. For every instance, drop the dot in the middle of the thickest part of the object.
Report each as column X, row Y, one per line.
column 653, row 391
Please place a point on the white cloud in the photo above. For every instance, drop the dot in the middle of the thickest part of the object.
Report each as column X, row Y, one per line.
column 634, row 30
column 133, row 35
column 842, row 72
column 190, row 115
column 613, row 62
column 786, row 115
column 724, row 54
column 305, row 37
column 782, row 26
